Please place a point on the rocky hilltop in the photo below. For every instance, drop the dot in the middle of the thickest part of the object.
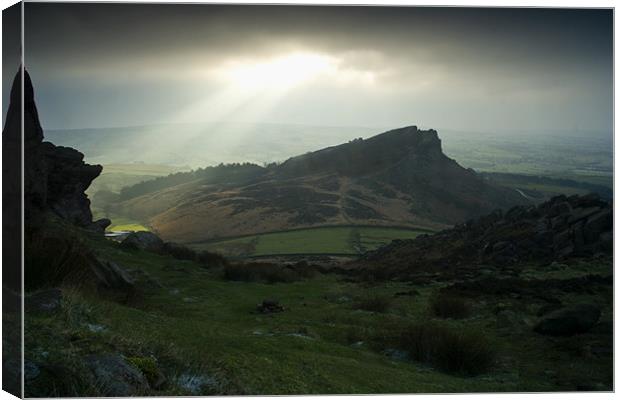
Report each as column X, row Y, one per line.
column 398, row 178
column 367, row 157
column 563, row 227
column 55, row 177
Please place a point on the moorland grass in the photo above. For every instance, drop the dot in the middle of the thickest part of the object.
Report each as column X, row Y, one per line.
column 200, row 324
column 374, row 303
column 445, row 305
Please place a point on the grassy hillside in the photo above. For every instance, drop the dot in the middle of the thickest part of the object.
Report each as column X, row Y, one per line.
column 203, row 334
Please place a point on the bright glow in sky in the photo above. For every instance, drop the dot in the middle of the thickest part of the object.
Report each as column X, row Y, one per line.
column 286, row 71
column 474, row 69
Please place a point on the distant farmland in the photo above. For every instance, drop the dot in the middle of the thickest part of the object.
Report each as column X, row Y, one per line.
column 338, row 240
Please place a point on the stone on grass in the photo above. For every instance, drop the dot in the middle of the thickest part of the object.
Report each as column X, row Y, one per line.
column 111, row 276
column 269, row 307
column 48, row 300
column 115, row 376
column 569, row 321
column 146, row 241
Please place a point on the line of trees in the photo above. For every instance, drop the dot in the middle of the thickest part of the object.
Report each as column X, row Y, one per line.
column 220, row 174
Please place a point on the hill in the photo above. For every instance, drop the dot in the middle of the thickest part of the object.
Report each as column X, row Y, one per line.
column 398, row 178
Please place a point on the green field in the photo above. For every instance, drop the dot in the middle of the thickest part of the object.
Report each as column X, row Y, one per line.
column 345, row 240
column 125, row 224
column 120, row 223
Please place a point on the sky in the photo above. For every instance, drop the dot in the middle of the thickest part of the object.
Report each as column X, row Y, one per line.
column 471, row 69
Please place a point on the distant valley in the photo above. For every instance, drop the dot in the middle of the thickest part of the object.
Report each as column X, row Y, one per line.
column 399, row 178
column 249, row 191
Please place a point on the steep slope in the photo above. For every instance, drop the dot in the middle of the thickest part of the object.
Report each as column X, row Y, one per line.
column 398, row 178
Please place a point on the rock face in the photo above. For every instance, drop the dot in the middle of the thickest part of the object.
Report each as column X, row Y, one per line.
column 116, row 376
column 568, row 321
column 55, row 178
column 67, row 179
column 110, row 276
column 560, row 228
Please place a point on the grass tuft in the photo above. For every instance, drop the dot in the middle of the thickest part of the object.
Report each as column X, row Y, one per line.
column 260, row 272
column 445, row 305
column 374, row 303
column 465, row 352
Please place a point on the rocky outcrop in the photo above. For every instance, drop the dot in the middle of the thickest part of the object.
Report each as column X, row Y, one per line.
column 146, row 241
column 562, row 227
column 410, row 161
column 568, row 321
column 55, row 178
column 367, row 156
column 67, row 179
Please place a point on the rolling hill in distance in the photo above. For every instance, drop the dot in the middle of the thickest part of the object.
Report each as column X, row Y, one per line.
column 198, row 145
column 579, row 155
column 398, row 178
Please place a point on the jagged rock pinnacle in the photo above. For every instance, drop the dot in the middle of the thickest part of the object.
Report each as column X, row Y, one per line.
column 55, row 178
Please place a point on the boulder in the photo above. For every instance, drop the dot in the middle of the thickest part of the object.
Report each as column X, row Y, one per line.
column 606, row 241
column 115, row 376
column 47, row 380
column 597, row 224
column 111, row 276
column 578, row 236
column 31, row 370
column 509, row 320
column 560, row 222
column 100, row 225
column 147, row 241
column 569, row 321
column 559, row 208
column 269, row 307
column 588, row 200
column 48, row 300
column 582, row 213
column 198, row 384
column 144, row 279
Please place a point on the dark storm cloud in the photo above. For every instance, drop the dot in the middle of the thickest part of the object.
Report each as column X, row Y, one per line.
column 484, row 52
column 99, row 32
